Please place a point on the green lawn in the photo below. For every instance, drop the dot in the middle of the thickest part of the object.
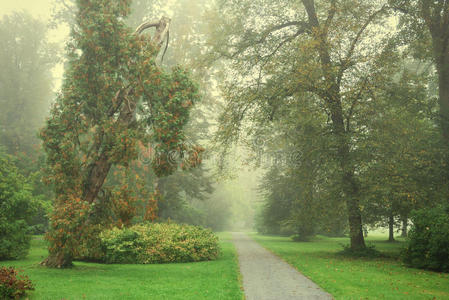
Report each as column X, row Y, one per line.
column 202, row 280
column 344, row 278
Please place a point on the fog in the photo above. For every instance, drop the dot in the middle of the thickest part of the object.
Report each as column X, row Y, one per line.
column 287, row 137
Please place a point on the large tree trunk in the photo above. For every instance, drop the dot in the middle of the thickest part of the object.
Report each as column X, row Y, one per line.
column 332, row 97
column 354, row 214
column 58, row 260
column 349, row 183
column 391, row 228
column 99, row 168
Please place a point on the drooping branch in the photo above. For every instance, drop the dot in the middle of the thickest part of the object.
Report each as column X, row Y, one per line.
column 146, row 25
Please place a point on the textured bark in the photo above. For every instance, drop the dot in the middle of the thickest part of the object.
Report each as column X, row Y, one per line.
column 58, row 260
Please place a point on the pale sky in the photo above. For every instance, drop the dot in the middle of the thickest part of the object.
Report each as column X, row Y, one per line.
column 39, row 9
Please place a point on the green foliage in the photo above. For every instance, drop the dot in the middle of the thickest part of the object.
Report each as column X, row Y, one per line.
column 403, row 158
column 15, row 210
column 114, row 97
column 218, row 279
column 26, row 60
column 183, row 192
column 13, row 285
column 428, row 245
column 159, row 243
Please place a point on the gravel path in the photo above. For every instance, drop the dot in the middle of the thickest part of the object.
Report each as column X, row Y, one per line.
column 267, row 277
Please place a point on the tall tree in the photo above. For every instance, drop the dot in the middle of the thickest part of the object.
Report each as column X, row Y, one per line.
column 329, row 50
column 186, row 32
column 113, row 96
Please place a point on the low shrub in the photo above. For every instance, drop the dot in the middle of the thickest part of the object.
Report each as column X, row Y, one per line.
column 13, row 285
column 158, row 243
column 428, row 243
column 368, row 252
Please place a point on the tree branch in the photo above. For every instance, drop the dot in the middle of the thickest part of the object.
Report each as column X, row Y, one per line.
column 331, row 15
column 346, row 61
column 288, row 39
column 142, row 27
column 303, row 27
column 354, row 103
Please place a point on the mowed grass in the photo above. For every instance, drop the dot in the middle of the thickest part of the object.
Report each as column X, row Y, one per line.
column 202, row 280
column 346, row 278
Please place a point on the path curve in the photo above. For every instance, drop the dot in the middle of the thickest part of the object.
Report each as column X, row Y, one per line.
column 267, row 277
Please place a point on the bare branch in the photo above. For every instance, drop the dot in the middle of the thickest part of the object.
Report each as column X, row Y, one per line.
column 346, row 61
column 269, row 31
column 303, row 27
column 311, row 12
column 145, row 26
column 331, row 14
column 287, row 40
column 355, row 102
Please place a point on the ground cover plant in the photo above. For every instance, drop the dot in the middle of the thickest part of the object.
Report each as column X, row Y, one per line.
column 217, row 279
column 348, row 278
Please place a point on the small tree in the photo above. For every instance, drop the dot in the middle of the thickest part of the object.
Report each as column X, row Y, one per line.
column 114, row 95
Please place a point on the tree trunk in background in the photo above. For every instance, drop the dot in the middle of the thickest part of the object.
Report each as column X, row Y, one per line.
column 391, row 228
column 404, row 226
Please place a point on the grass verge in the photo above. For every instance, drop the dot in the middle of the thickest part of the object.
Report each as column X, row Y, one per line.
column 217, row 279
column 348, row 278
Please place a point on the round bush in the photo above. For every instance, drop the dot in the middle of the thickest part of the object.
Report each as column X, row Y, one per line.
column 428, row 245
column 158, row 243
